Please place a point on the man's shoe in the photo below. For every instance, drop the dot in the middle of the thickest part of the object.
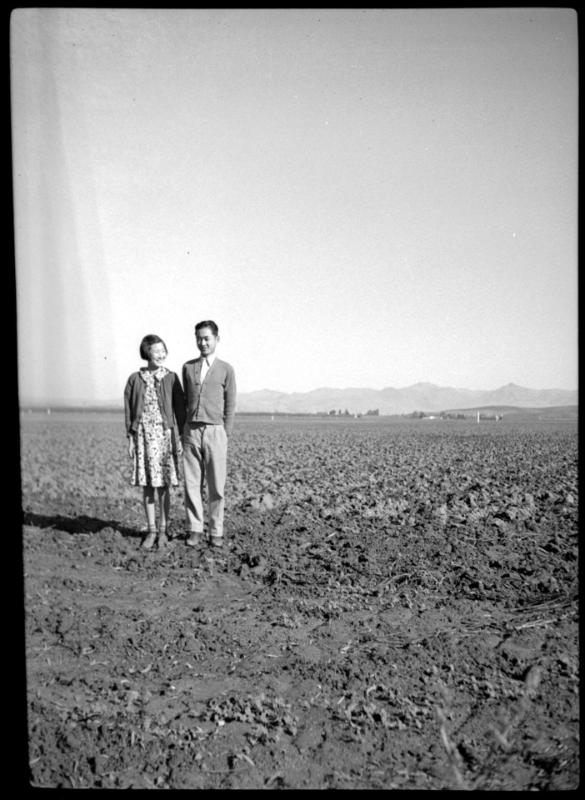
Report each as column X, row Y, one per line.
column 194, row 540
column 148, row 542
column 216, row 541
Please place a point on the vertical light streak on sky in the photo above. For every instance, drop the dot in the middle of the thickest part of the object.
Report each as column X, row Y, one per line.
column 43, row 252
column 61, row 283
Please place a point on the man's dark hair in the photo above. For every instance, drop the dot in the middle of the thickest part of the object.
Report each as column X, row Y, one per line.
column 207, row 323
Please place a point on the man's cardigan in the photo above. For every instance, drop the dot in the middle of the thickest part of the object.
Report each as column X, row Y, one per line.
column 214, row 400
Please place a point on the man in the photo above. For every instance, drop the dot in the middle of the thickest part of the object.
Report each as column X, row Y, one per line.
column 210, row 394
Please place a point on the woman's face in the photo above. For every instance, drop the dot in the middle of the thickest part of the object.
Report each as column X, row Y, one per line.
column 156, row 355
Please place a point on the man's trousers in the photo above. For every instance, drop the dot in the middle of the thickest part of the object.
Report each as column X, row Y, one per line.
column 204, row 461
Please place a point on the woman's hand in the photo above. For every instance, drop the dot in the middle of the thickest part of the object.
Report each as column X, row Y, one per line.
column 131, row 446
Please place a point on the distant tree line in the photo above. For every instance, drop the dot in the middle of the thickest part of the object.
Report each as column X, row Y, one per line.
column 337, row 412
column 372, row 412
column 452, row 415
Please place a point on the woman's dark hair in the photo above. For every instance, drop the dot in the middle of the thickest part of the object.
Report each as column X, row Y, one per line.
column 207, row 323
column 147, row 343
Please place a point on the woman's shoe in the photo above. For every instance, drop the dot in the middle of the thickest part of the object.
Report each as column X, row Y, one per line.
column 162, row 539
column 149, row 540
column 216, row 541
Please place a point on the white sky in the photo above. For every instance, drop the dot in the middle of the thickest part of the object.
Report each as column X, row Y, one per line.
column 357, row 197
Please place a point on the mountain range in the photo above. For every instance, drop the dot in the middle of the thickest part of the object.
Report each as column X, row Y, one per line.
column 425, row 397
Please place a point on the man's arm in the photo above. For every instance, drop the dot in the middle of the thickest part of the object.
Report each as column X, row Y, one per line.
column 229, row 400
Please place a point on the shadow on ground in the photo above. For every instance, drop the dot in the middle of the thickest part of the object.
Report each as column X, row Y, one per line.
column 80, row 524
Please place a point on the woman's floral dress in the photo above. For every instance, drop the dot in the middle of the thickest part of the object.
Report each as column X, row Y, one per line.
column 155, row 456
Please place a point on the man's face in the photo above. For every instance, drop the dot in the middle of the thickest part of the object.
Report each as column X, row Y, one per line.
column 206, row 341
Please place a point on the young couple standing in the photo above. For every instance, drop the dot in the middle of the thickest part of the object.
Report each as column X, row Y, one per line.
column 203, row 410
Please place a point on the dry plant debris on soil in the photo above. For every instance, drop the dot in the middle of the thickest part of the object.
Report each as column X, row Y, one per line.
column 396, row 609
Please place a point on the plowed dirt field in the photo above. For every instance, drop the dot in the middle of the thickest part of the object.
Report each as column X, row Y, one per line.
column 396, row 609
